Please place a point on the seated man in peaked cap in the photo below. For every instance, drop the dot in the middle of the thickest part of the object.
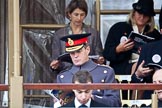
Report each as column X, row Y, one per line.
column 78, row 48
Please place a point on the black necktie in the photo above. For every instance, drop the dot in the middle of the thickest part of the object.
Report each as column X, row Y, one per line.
column 83, row 106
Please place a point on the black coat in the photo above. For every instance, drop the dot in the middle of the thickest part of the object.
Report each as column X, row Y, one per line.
column 120, row 62
column 147, row 54
column 159, row 103
column 150, row 53
column 93, row 104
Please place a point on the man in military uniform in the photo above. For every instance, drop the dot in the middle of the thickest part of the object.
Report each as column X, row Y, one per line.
column 78, row 48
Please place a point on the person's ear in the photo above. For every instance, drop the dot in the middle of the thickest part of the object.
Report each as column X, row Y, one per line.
column 69, row 15
column 88, row 49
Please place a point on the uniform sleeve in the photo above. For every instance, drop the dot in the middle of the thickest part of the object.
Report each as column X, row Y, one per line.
column 110, row 97
column 58, row 49
column 112, row 41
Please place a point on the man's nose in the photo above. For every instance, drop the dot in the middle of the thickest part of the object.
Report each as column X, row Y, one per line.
column 79, row 17
column 75, row 54
column 83, row 95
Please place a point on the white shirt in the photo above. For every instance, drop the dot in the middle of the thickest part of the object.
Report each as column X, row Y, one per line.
column 77, row 103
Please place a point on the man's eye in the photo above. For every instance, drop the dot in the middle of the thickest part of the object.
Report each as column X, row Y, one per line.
column 76, row 14
column 79, row 92
column 78, row 51
column 82, row 15
column 160, row 81
column 87, row 91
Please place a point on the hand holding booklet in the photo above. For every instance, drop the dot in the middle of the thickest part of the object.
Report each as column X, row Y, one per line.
column 139, row 40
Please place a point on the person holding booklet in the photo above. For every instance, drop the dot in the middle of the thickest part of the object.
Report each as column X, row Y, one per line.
column 150, row 60
column 76, row 12
column 78, row 47
column 118, row 47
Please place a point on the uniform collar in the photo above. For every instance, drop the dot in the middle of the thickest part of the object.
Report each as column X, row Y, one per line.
column 135, row 29
column 89, row 66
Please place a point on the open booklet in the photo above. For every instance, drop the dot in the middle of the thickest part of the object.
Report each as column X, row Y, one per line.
column 65, row 58
column 153, row 66
column 53, row 94
column 139, row 40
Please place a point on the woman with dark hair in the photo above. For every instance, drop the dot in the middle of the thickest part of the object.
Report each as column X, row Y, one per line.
column 76, row 12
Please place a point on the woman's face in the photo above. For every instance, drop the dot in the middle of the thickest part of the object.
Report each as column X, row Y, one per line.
column 77, row 17
column 140, row 19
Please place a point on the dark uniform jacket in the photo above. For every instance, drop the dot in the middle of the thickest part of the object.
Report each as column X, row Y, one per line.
column 159, row 104
column 93, row 104
column 58, row 46
column 100, row 74
column 150, row 53
column 120, row 62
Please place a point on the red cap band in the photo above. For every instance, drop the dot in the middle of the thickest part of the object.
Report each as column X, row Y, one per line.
column 71, row 42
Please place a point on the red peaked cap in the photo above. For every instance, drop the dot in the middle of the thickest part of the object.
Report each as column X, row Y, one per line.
column 75, row 42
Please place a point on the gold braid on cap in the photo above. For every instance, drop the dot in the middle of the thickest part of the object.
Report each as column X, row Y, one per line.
column 70, row 42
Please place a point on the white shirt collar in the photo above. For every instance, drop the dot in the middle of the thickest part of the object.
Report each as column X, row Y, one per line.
column 135, row 29
column 77, row 103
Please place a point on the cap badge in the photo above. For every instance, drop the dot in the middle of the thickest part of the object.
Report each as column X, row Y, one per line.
column 156, row 58
column 70, row 42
